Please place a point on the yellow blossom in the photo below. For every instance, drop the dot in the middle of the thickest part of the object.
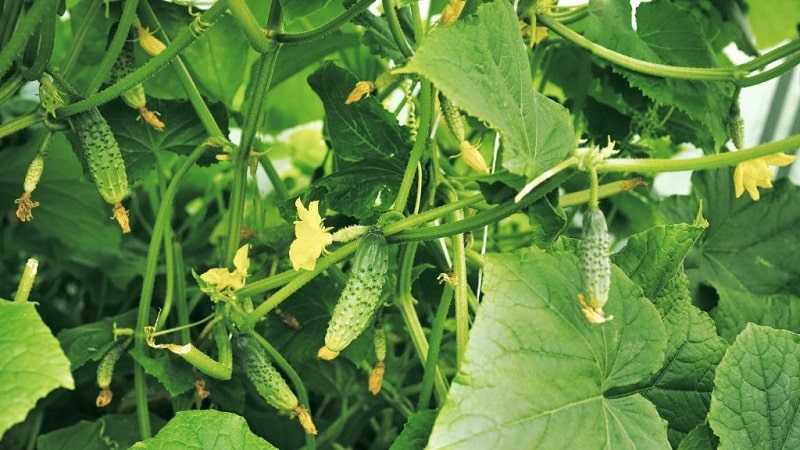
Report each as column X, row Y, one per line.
column 753, row 174
column 311, row 237
column 223, row 279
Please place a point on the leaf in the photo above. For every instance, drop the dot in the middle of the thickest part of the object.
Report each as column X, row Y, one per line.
column 416, row 431
column 300, row 8
column 109, row 431
column 174, row 374
column 681, row 390
column 748, row 245
column 773, row 22
column 481, row 64
column 667, row 35
column 700, row 438
column 652, row 258
column 204, row 429
column 736, row 308
column 31, row 362
column 359, row 130
column 70, row 209
column 756, row 403
column 92, row 340
column 360, row 189
column 531, row 345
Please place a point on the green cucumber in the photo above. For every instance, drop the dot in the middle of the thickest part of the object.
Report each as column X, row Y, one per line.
column 595, row 264
column 361, row 296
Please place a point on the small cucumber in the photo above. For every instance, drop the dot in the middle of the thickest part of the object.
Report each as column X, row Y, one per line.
column 361, row 296
column 595, row 264
column 104, row 158
column 105, row 372
column 268, row 381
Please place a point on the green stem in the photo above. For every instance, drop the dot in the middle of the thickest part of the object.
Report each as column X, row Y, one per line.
column 774, row 72
column 12, row 9
column 703, row 162
column 252, row 30
column 254, row 117
column 637, row 65
column 102, row 70
column 269, row 283
column 603, row 191
column 185, row 78
column 481, row 219
column 89, row 20
column 148, row 282
column 20, row 123
column 322, row 30
column 294, row 378
column 594, row 203
column 44, row 45
column 11, row 86
column 396, row 30
column 181, row 307
column 437, row 331
column 405, row 302
column 184, row 38
column 296, row 283
column 761, row 61
column 281, row 191
column 22, row 33
column 427, row 110
column 462, row 286
column 169, row 257
column 26, row 281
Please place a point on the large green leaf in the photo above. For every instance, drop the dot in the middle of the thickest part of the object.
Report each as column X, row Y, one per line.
column 748, row 245
column 736, row 308
column 31, row 362
column 681, row 390
column 360, row 130
column 480, row 63
column 700, row 438
column 756, row 400
column 175, row 374
column 205, row 429
column 668, row 35
column 416, row 431
column 532, row 347
column 109, row 431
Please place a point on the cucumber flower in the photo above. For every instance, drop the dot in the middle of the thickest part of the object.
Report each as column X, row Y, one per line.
column 311, row 237
column 222, row 279
column 753, row 174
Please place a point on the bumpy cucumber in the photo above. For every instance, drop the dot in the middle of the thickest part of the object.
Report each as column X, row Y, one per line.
column 268, row 381
column 596, row 259
column 105, row 372
column 123, row 66
column 104, row 158
column 361, row 295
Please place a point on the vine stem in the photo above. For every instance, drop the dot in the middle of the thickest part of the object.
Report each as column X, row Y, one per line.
column 703, row 162
column 431, row 362
column 322, row 30
column 148, row 283
column 395, row 29
column 637, row 65
column 22, row 34
column 102, row 70
column 427, row 115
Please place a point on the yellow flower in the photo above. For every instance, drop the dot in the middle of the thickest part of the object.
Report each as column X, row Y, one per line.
column 223, row 279
column 753, row 174
column 311, row 237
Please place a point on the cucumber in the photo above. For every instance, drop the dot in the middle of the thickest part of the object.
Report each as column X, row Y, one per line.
column 361, row 296
column 134, row 97
column 105, row 372
column 104, row 158
column 595, row 265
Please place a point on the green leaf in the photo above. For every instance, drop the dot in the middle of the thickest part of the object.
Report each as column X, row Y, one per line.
column 416, row 431
column 756, row 403
column 652, row 258
column 31, row 362
column 174, row 374
column 92, row 340
column 700, row 438
column 205, row 429
column 774, row 21
column 300, row 8
column 681, row 390
column 569, row 366
column 748, row 245
column 109, row 431
column 668, row 35
column 360, row 189
column 481, row 64
column 736, row 308
column 70, row 209
column 360, row 130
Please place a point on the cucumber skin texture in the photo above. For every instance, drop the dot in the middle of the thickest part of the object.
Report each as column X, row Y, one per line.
column 102, row 154
column 596, row 259
column 125, row 64
column 362, row 293
column 259, row 370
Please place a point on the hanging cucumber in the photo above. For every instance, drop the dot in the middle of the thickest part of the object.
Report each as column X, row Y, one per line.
column 134, row 97
column 104, row 159
column 595, row 266
column 361, row 296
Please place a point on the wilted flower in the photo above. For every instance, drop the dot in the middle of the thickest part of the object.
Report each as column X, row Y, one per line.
column 753, row 174
column 311, row 237
column 222, row 279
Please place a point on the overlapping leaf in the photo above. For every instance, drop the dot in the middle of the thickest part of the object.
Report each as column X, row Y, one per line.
column 205, row 429
column 480, row 63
